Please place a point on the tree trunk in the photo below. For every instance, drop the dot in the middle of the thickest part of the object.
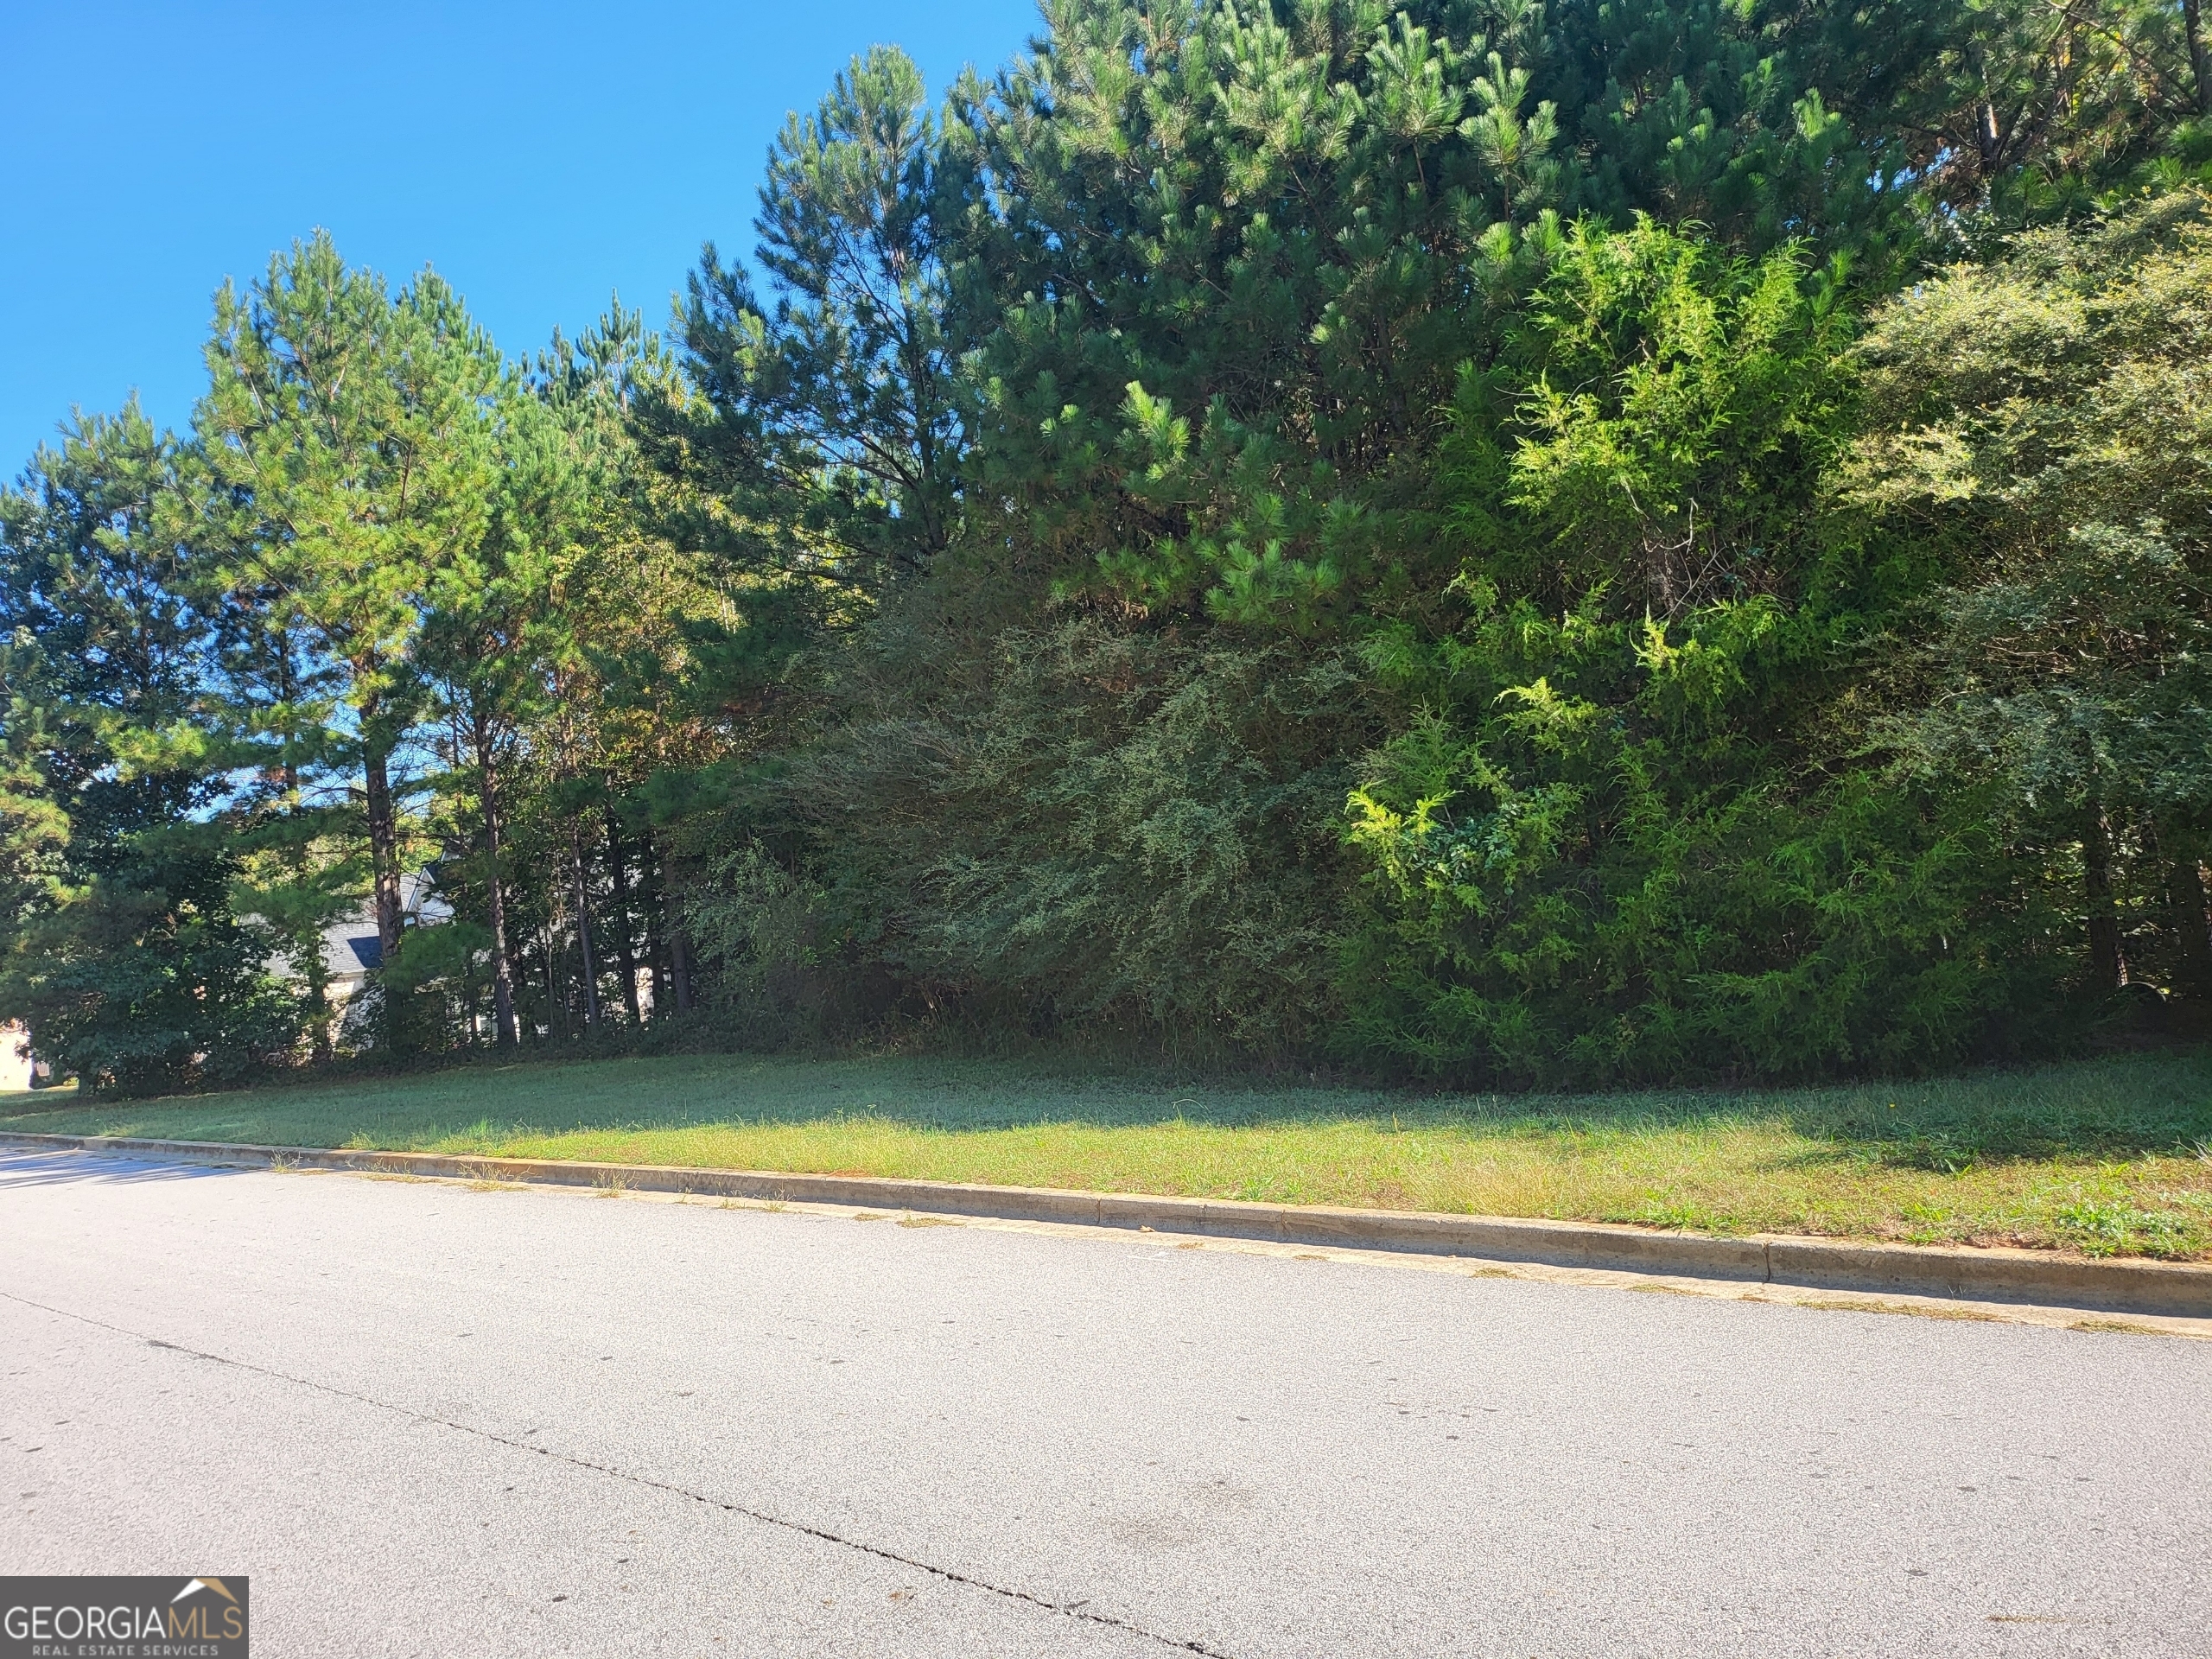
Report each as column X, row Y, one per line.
column 518, row 976
column 2192, row 23
column 2107, row 969
column 653, row 897
column 2185, row 898
column 583, row 927
column 679, row 944
column 384, row 843
column 679, row 963
column 626, row 955
column 504, row 1030
column 556, row 1003
column 319, row 1014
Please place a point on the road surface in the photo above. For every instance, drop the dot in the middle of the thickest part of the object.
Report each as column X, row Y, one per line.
column 428, row 1420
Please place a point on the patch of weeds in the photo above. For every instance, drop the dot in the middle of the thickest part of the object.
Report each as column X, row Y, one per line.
column 2117, row 1327
column 869, row 1215
column 2116, row 1229
column 1927, row 1223
column 610, row 1184
column 495, row 1186
column 1675, row 1218
column 929, row 1221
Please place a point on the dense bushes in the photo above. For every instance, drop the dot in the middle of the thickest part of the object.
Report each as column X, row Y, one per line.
column 1091, row 832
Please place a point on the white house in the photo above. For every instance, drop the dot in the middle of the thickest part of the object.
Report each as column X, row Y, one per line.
column 351, row 951
column 15, row 1058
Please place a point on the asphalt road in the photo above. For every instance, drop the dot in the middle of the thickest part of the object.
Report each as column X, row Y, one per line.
column 426, row 1420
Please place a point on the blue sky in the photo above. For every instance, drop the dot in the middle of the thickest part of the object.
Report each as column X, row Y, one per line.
column 541, row 156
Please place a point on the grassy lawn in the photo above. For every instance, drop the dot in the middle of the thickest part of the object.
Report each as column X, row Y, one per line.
column 2108, row 1157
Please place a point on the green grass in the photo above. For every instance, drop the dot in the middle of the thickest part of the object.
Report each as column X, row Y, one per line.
column 2102, row 1157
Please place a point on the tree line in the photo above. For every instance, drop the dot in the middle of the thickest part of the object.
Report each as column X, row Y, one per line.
column 1481, row 540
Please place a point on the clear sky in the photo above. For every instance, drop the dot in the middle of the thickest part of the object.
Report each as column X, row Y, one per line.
column 540, row 156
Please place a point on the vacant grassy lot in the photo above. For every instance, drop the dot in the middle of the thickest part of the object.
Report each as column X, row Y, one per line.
column 2109, row 1157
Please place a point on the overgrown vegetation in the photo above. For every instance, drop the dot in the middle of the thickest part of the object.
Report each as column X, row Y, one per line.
column 1509, row 545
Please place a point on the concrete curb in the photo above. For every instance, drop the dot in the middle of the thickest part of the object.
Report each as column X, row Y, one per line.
column 2176, row 1289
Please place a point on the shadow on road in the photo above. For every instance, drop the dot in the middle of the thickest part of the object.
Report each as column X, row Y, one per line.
column 22, row 1166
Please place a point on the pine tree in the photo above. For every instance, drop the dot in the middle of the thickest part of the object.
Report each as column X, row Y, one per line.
column 480, row 653
column 350, row 433
column 830, row 421
column 125, row 954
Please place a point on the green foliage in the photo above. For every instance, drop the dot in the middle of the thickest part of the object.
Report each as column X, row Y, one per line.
column 826, row 426
column 1499, row 357
column 1090, row 835
column 2051, row 412
column 1668, row 435
column 347, row 437
column 1225, row 270
column 124, row 955
column 1614, row 841
column 1550, row 543
column 1124, row 833
column 2017, row 112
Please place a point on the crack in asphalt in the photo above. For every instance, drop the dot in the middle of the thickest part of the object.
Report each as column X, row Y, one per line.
column 1064, row 1609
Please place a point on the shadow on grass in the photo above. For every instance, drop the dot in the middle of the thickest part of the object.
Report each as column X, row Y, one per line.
column 2116, row 1106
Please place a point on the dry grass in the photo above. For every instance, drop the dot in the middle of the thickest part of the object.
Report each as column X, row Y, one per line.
column 1906, row 1310
column 2106, row 1157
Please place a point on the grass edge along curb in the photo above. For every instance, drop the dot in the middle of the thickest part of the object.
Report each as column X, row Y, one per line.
column 2169, row 1288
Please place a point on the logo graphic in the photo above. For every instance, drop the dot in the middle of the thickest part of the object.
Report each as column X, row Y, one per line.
column 169, row 1617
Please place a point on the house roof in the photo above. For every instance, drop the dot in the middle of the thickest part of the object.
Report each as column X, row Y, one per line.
column 350, row 949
